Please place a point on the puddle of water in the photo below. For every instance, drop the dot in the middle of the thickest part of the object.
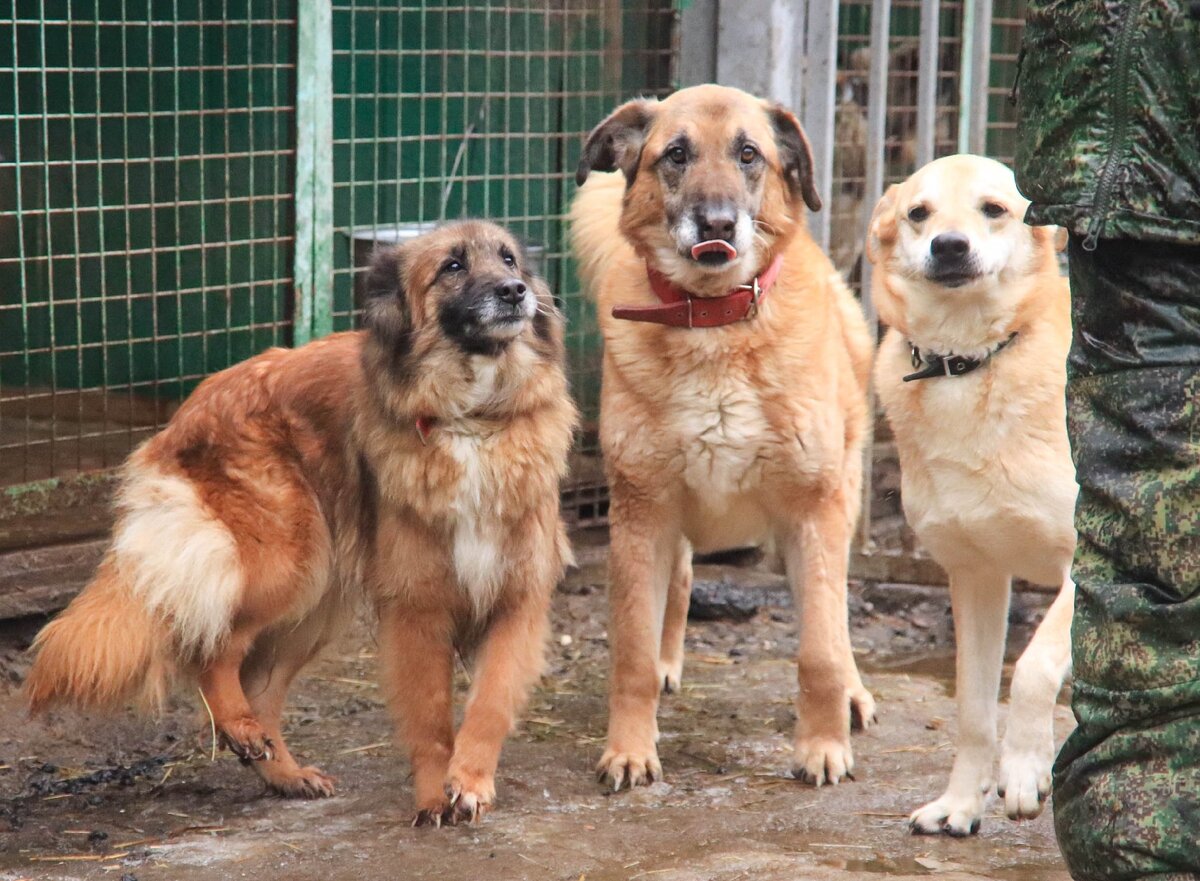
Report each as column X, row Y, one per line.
column 880, row 865
column 938, row 666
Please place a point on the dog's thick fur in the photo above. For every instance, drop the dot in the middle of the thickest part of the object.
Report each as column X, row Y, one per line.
column 987, row 480
column 291, row 484
column 716, row 438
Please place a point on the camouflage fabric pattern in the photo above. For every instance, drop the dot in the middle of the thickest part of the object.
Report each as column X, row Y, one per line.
column 1108, row 102
column 1127, row 782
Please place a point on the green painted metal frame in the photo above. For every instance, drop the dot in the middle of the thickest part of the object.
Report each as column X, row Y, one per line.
column 313, row 267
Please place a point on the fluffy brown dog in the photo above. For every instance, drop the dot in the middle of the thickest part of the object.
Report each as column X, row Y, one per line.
column 416, row 462
column 733, row 402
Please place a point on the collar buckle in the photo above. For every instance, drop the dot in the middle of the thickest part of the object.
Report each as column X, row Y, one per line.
column 755, row 296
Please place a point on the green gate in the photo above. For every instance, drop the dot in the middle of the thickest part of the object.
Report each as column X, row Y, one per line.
column 186, row 182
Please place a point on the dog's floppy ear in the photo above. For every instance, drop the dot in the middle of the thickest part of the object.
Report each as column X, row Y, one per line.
column 386, row 312
column 549, row 324
column 616, row 143
column 795, row 155
column 1060, row 238
column 882, row 228
column 1056, row 235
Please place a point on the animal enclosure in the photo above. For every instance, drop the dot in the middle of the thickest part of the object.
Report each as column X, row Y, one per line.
column 184, row 184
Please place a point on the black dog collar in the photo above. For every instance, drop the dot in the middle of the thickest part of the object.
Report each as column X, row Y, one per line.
column 949, row 365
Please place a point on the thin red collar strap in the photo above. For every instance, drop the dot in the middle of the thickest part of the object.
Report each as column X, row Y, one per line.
column 681, row 309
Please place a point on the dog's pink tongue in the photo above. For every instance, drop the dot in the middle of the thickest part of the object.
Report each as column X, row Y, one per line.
column 713, row 246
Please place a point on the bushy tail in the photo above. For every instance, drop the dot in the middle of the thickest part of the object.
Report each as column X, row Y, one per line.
column 595, row 215
column 104, row 651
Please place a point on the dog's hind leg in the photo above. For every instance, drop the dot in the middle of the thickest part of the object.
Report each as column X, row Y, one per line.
column 979, row 599
column 1027, row 754
column 221, row 686
column 266, row 676
column 679, row 594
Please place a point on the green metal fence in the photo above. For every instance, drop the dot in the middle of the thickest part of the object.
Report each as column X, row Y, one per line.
column 186, row 182
column 145, row 215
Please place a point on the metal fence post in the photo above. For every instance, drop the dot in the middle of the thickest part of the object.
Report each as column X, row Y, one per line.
column 927, row 82
column 313, row 264
column 876, row 166
column 698, row 43
column 974, row 79
column 820, row 101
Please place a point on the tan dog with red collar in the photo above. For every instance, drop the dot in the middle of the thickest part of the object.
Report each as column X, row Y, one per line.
column 733, row 402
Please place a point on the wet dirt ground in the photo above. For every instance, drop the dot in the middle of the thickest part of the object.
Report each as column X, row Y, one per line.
column 129, row 800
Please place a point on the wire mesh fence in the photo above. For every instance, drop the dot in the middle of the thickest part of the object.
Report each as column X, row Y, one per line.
column 453, row 110
column 148, row 185
column 148, row 180
column 145, row 180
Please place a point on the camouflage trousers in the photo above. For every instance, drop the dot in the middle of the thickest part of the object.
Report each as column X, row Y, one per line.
column 1127, row 782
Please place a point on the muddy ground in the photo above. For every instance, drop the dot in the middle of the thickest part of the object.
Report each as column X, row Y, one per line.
column 138, row 801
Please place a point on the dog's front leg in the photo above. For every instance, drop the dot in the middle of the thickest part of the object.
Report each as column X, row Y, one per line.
column 644, row 544
column 417, row 654
column 509, row 663
column 980, row 602
column 816, row 549
column 674, row 626
column 1027, row 755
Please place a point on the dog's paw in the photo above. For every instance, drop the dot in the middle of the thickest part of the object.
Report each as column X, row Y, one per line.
column 821, row 760
column 247, row 740
column 1024, row 783
column 468, row 797
column 635, row 768
column 862, row 710
column 953, row 816
column 309, row 782
column 670, row 675
column 432, row 813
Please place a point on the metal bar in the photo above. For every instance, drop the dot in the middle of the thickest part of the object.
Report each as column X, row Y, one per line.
column 881, row 11
column 744, row 38
column 19, row 225
column 313, row 268
column 976, row 63
column 820, row 100
column 50, row 287
column 323, row 172
column 698, row 43
column 927, row 82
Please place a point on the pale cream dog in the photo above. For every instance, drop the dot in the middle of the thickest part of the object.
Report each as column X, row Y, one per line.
column 979, row 321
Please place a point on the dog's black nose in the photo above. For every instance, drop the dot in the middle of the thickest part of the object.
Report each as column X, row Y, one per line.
column 511, row 291
column 716, row 223
column 949, row 245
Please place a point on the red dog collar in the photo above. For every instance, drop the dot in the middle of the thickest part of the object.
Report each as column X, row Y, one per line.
column 681, row 309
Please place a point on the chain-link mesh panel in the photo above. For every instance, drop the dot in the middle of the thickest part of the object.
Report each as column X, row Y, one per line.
column 145, row 215
column 479, row 110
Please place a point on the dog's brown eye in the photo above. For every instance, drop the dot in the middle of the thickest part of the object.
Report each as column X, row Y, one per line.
column 918, row 213
column 508, row 258
column 994, row 210
column 452, row 266
column 677, row 154
column 748, row 155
